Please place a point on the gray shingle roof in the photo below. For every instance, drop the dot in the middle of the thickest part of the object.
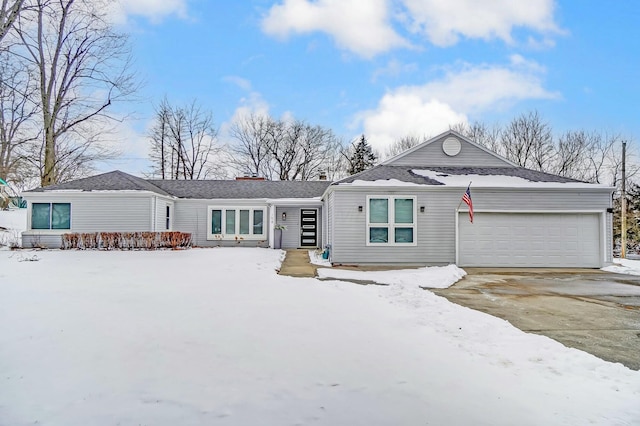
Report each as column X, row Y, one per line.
column 204, row 189
column 111, row 181
column 405, row 174
column 382, row 172
column 239, row 189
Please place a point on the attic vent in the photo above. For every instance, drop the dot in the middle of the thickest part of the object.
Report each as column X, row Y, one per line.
column 451, row 146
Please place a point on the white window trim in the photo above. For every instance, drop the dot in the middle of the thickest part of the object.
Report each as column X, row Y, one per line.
column 391, row 225
column 49, row 230
column 237, row 236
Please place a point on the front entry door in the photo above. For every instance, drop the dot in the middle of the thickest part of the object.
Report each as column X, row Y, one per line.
column 309, row 228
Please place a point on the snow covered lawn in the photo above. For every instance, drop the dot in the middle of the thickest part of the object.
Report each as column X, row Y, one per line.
column 214, row 336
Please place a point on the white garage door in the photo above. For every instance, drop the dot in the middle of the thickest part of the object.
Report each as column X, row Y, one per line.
column 529, row 240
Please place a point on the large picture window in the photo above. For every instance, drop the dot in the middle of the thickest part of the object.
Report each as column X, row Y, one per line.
column 231, row 223
column 51, row 216
column 391, row 220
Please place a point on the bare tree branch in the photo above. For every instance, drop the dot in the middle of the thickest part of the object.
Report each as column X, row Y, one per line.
column 82, row 68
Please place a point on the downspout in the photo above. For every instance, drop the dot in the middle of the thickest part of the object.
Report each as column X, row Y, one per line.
column 154, row 214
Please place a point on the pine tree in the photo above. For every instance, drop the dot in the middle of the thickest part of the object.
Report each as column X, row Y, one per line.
column 362, row 157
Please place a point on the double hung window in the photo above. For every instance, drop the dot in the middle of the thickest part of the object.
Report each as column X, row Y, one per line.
column 237, row 222
column 51, row 216
column 391, row 220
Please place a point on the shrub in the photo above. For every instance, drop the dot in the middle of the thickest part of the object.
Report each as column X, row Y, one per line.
column 126, row 240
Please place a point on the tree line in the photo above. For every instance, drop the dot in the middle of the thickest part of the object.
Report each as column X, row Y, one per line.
column 529, row 141
column 184, row 145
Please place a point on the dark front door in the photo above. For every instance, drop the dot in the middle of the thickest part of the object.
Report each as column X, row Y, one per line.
column 309, row 228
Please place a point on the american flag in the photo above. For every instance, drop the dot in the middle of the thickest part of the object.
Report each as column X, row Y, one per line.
column 467, row 200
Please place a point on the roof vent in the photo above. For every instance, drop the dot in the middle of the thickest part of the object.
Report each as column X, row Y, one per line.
column 451, row 146
column 250, row 178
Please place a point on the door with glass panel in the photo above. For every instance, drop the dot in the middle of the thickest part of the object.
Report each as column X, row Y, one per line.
column 309, row 228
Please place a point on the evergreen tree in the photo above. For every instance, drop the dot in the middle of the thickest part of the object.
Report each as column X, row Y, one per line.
column 362, row 157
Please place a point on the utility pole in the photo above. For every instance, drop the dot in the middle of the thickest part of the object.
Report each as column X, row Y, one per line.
column 623, row 213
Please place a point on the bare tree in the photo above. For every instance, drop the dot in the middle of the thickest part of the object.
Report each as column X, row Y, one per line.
column 283, row 150
column 481, row 133
column 573, row 151
column 16, row 112
column 250, row 154
column 298, row 150
column 527, row 141
column 9, row 11
column 82, row 68
column 183, row 143
column 159, row 137
column 317, row 148
column 403, row 144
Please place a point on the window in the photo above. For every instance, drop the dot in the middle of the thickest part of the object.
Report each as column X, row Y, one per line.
column 51, row 216
column 391, row 220
column 236, row 222
column 168, row 224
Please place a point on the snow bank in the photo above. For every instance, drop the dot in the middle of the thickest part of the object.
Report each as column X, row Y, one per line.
column 429, row 277
column 15, row 219
column 12, row 223
column 624, row 266
column 215, row 336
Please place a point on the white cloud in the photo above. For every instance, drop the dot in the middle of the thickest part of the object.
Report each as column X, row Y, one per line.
column 404, row 113
column 431, row 108
column 366, row 27
column 154, row 10
column 361, row 26
column 444, row 22
column 253, row 103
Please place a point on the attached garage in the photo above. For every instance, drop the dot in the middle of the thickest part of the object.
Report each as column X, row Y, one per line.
column 506, row 239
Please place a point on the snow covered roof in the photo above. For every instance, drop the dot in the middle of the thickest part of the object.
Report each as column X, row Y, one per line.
column 494, row 177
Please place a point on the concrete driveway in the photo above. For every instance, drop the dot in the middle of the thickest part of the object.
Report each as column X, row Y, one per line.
column 591, row 310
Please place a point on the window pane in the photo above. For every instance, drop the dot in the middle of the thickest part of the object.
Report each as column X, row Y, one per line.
column 216, row 221
column 378, row 210
column 244, row 222
column 168, row 225
column 404, row 235
column 230, row 220
column 404, row 210
column 257, row 222
column 61, row 216
column 40, row 215
column 378, row 235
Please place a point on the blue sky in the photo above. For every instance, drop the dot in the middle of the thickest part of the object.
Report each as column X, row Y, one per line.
column 386, row 68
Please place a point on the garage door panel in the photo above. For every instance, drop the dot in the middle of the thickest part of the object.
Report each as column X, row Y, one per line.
column 530, row 239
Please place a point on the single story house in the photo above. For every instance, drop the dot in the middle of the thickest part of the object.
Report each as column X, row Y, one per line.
column 407, row 210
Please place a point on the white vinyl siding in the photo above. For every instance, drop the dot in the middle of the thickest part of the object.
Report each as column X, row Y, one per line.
column 431, row 154
column 234, row 223
column 92, row 212
column 436, row 226
column 391, row 220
